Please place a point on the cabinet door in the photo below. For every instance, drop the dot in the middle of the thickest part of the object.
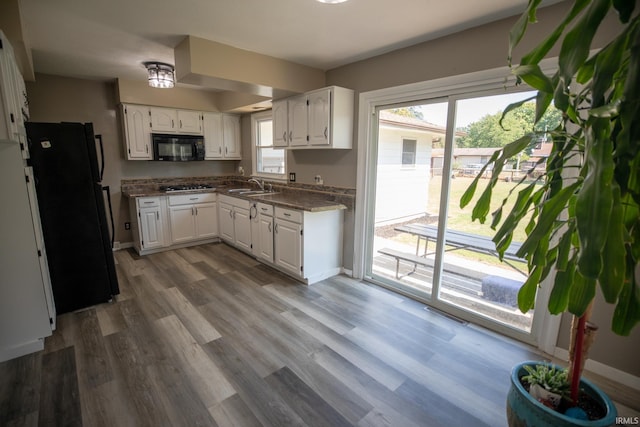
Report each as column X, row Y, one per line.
column 190, row 122
column 226, row 222
column 231, row 136
column 298, row 120
column 182, row 223
column 206, row 220
column 265, row 237
column 319, row 117
column 137, row 132
column 288, row 246
column 151, row 228
column 242, row 228
column 280, row 124
column 212, row 136
column 164, row 120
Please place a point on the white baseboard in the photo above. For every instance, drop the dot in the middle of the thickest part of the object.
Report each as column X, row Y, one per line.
column 347, row 272
column 603, row 370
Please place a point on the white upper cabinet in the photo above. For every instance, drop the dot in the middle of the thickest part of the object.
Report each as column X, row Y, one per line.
column 280, row 116
column 321, row 118
column 170, row 120
column 222, row 136
column 137, row 132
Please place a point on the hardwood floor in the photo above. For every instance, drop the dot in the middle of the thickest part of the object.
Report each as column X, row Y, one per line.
column 207, row 336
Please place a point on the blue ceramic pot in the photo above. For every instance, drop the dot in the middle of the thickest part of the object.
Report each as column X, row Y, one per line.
column 525, row 411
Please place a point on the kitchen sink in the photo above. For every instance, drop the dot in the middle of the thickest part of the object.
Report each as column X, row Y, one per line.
column 238, row 190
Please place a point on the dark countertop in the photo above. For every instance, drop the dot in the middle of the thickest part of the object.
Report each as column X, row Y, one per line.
column 299, row 199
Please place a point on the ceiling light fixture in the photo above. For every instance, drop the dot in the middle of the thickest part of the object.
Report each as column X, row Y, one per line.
column 161, row 75
column 332, row 1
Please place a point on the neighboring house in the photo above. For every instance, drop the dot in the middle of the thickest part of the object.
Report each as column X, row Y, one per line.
column 463, row 158
column 404, row 166
column 537, row 162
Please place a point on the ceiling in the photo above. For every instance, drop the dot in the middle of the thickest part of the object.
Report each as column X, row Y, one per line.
column 100, row 39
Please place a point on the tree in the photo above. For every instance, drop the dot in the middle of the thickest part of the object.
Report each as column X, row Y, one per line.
column 487, row 132
column 412, row 111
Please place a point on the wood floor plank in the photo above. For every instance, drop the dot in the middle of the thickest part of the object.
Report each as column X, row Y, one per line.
column 197, row 325
column 20, row 389
column 59, row 394
column 314, row 410
column 372, row 366
column 213, row 387
column 110, row 319
column 233, row 412
column 92, row 361
column 107, row 405
column 268, row 407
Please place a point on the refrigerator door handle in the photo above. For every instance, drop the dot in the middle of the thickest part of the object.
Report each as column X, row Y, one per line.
column 113, row 230
column 99, row 138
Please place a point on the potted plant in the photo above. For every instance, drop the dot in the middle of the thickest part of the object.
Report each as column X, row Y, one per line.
column 584, row 229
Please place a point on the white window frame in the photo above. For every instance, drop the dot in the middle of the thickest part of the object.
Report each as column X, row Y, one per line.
column 412, row 165
column 256, row 118
column 546, row 327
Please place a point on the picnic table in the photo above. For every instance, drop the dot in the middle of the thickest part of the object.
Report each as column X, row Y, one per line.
column 454, row 240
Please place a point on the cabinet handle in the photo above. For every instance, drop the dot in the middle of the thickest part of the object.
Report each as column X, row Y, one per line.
column 172, row 124
column 158, row 216
column 231, row 214
column 284, row 136
column 180, row 124
column 226, row 150
column 275, row 227
column 264, row 209
column 269, row 228
column 325, row 132
column 146, row 148
column 147, row 203
column 196, row 211
column 193, row 198
column 220, row 150
column 290, row 135
column 287, row 214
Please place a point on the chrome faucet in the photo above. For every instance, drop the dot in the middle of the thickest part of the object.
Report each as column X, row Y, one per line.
column 260, row 183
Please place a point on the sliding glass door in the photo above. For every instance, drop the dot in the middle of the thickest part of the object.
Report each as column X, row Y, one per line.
column 420, row 241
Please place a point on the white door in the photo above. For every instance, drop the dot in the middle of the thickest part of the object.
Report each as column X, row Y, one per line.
column 190, row 122
column 226, row 222
column 320, row 117
column 265, row 237
column 242, row 228
column 182, row 223
column 288, row 252
column 298, row 120
column 212, row 124
column 163, row 119
column 137, row 132
column 206, row 220
column 280, row 126
column 151, row 228
column 231, row 136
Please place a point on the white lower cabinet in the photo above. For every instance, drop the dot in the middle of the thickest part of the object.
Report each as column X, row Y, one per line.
column 308, row 245
column 169, row 221
column 192, row 217
column 263, row 232
column 235, row 222
column 150, row 229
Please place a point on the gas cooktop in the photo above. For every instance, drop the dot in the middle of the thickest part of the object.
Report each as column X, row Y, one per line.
column 187, row 187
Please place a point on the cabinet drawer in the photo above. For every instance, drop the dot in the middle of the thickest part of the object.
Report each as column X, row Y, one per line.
column 148, row 202
column 265, row 209
column 190, row 199
column 234, row 201
column 289, row 215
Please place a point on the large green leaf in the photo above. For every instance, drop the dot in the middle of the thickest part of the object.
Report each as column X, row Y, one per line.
column 577, row 43
column 534, row 77
column 559, row 298
column 527, row 293
column 518, row 30
column 614, row 254
column 627, row 312
column 595, row 199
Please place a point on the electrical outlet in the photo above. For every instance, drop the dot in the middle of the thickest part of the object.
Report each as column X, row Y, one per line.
column 319, row 180
column 127, row 226
column 292, row 177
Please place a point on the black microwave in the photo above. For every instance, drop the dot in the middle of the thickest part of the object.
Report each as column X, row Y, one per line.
column 177, row 148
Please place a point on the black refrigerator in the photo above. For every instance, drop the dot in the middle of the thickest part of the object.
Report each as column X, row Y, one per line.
column 72, row 211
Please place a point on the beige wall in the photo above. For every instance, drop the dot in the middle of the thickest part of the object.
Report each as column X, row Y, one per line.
column 56, row 99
